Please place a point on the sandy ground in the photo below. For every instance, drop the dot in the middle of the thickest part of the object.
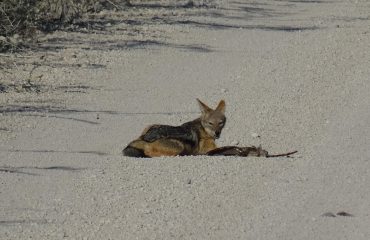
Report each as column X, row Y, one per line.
column 294, row 72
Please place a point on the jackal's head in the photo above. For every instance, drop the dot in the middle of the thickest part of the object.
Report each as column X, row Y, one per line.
column 213, row 120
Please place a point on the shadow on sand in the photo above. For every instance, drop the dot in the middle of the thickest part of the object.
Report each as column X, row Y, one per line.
column 26, row 170
column 22, row 221
column 162, row 14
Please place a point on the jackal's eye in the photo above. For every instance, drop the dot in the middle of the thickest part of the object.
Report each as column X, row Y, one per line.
column 210, row 123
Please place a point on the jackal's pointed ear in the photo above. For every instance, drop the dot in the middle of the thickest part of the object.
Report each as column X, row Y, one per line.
column 221, row 106
column 203, row 107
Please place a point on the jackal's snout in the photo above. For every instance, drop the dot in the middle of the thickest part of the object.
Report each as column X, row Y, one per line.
column 213, row 121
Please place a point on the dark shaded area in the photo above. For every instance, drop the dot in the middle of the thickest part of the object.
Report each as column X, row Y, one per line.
column 344, row 214
column 54, row 64
column 352, row 19
column 96, row 25
column 72, row 65
column 142, row 44
column 304, row 1
column 237, row 10
column 23, row 170
column 59, row 151
column 248, row 11
column 255, row 3
column 189, row 4
column 340, row 214
column 76, row 88
column 66, row 118
column 27, row 86
column 328, row 214
column 62, row 168
column 245, row 11
column 15, row 170
column 59, row 110
column 56, row 44
column 3, row 87
column 30, row 86
column 218, row 26
column 22, row 221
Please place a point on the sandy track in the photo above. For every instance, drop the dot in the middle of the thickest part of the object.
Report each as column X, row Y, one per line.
column 295, row 72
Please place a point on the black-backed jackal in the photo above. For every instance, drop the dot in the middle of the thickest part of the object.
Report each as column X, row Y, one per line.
column 196, row 137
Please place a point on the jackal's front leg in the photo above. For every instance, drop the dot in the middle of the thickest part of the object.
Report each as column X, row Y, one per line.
column 206, row 145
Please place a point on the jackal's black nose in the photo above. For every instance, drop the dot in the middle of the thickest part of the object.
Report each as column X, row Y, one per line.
column 217, row 134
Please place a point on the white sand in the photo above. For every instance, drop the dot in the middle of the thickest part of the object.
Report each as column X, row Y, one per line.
column 302, row 90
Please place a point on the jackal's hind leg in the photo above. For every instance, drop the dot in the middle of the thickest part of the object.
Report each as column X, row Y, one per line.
column 160, row 147
column 165, row 147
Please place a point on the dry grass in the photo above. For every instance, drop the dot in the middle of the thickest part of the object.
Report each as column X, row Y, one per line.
column 21, row 19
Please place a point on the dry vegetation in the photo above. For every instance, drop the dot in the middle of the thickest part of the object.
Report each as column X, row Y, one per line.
column 21, row 19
